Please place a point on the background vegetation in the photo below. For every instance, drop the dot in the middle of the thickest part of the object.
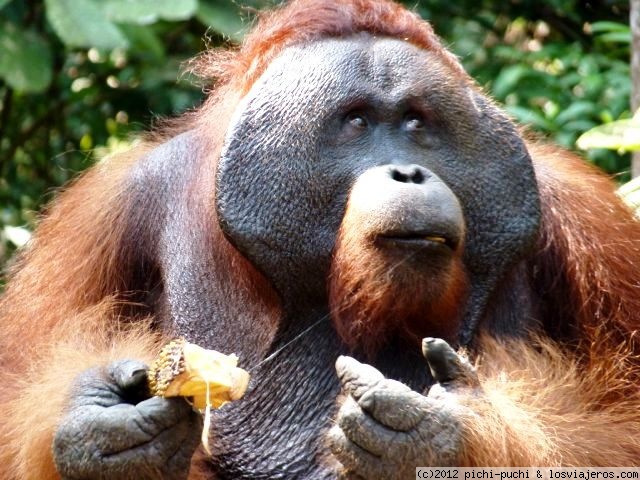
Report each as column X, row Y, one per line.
column 78, row 77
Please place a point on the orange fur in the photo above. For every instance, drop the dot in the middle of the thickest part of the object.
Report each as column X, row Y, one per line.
column 89, row 339
column 66, row 307
column 590, row 243
column 542, row 407
column 374, row 296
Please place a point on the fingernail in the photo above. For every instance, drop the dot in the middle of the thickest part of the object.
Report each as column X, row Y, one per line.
column 137, row 373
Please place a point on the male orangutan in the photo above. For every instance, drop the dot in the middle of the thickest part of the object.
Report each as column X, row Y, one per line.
column 348, row 181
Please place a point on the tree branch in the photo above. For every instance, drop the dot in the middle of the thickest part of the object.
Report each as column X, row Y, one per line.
column 7, row 103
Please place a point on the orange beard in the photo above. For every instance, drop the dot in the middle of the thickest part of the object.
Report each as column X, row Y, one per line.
column 374, row 296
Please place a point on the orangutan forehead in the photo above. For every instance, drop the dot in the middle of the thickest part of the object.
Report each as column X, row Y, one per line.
column 361, row 62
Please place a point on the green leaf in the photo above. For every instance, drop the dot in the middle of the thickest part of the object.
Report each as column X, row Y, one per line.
column 576, row 111
column 144, row 12
column 622, row 135
column 80, row 23
column 144, row 41
column 224, row 18
column 578, row 126
column 508, row 79
column 605, row 26
column 630, row 193
column 3, row 3
column 18, row 236
column 616, row 37
column 630, row 187
column 632, row 200
column 530, row 117
column 25, row 59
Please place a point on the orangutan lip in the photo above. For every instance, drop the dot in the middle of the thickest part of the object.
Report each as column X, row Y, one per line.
column 416, row 240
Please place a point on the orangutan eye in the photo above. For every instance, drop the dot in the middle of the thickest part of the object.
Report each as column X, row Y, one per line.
column 357, row 120
column 414, row 122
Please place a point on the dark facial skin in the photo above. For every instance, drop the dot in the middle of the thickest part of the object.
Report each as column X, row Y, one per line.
column 306, row 134
column 322, row 117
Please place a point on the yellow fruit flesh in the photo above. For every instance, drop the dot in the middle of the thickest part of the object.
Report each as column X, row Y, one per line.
column 208, row 377
column 208, row 370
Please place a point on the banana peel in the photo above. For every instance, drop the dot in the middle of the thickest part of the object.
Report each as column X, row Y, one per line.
column 207, row 378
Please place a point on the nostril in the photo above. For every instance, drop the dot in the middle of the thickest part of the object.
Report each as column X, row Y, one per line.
column 418, row 176
column 398, row 176
column 409, row 174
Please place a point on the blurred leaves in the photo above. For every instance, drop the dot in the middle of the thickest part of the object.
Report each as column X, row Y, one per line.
column 81, row 23
column 560, row 67
column 221, row 19
column 620, row 135
column 17, row 236
column 25, row 59
column 144, row 12
column 78, row 78
column 630, row 193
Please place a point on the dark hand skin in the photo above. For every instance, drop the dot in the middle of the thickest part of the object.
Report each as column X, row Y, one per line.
column 385, row 430
column 113, row 430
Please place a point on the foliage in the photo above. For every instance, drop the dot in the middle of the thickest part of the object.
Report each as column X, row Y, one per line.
column 630, row 193
column 559, row 66
column 620, row 135
column 79, row 77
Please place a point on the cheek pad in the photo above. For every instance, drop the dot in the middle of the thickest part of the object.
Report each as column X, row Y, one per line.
column 495, row 182
column 275, row 195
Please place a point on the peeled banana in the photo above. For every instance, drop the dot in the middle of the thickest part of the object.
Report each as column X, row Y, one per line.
column 207, row 377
